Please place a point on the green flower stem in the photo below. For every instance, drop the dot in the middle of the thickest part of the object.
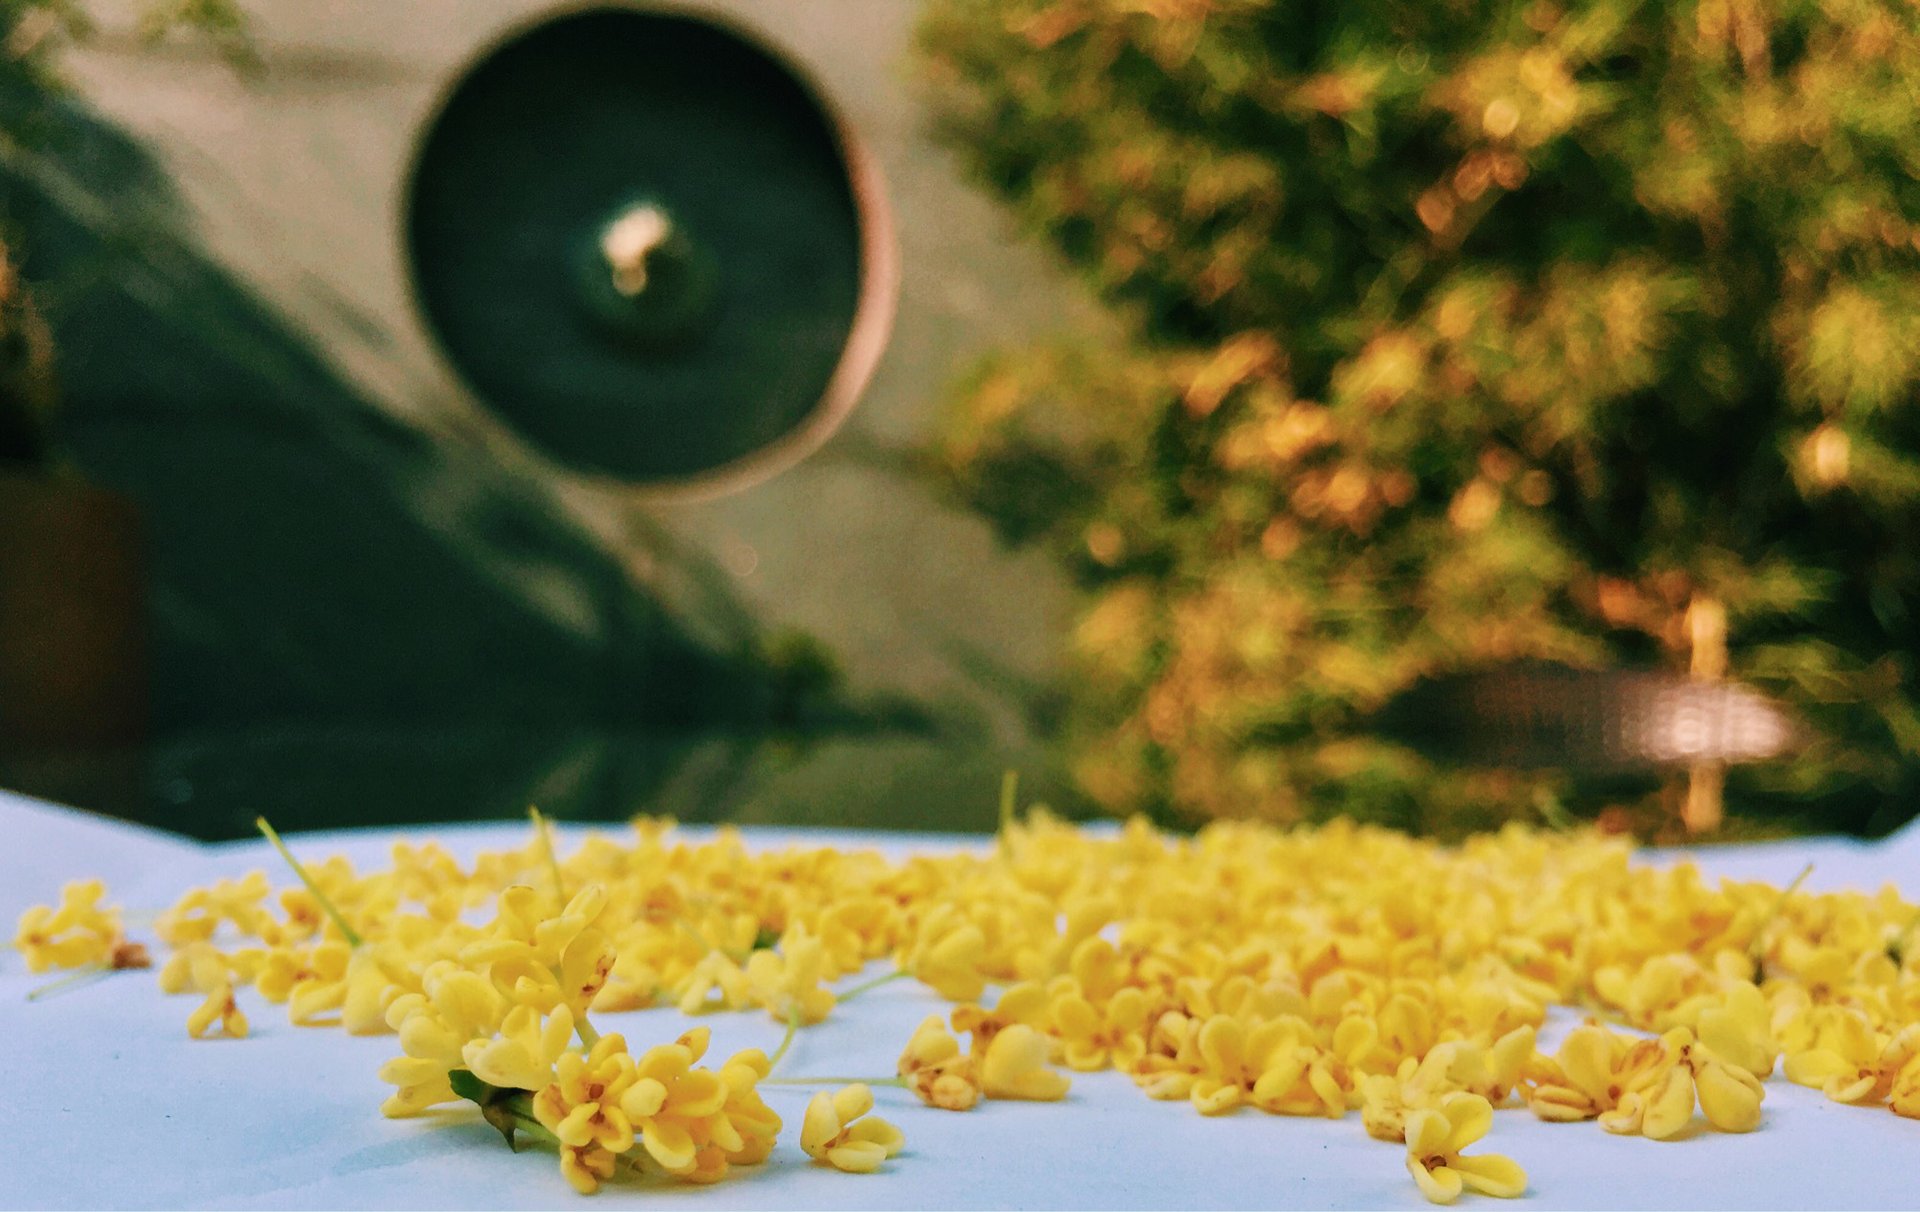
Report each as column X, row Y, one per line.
column 72, row 980
column 1009, row 791
column 266, row 831
column 786, row 1041
column 685, row 923
column 875, row 983
column 1553, row 812
column 1758, row 950
column 519, row 1109
column 1897, row 949
column 898, row 1083
column 545, row 831
column 584, row 1029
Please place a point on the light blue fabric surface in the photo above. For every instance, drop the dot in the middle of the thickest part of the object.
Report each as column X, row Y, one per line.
column 110, row 1104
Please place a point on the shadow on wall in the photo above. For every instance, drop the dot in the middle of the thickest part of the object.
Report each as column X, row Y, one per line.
column 327, row 586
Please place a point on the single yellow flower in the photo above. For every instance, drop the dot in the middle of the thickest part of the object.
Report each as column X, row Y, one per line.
column 1015, row 1066
column 312, row 981
column 1656, row 1087
column 523, row 1055
column 1024, row 1003
column 1730, row 1095
column 1584, row 1079
column 1904, row 1095
column 1739, row 1030
column 77, row 933
column 586, row 1166
column 745, row 1128
column 195, row 968
column 221, row 1008
column 454, row 1008
column 1386, row 1099
column 838, row 1131
column 1097, row 1037
column 788, row 981
column 581, row 1106
column 199, row 912
column 947, row 956
column 715, row 974
column 1435, row 1141
column 372, row 985
column 937, row 1071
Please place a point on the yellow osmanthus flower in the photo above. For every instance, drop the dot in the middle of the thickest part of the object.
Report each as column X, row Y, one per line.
column 746, row 1128
column 670, row 1101
column 1729, row 1095
column 1024, row 1003
column 1015, row 1066
column 454, row 1008
column 1738, row 1029
column 1904, row 1095
column 199, row 912
column 1436, row 1140
column 1588, row 1076
column 1091, row 1037
column 1275, row 1065
column 581, row 1107
column 1656, row 1088
column 525, row 1052
column 935, row 1069
column 788, row 981
column 312, row 981
column 1457, row 1066
column 195, row 968
column 1849, row 1061
column 546, row 961
column 948, row 955
column 1307, row 971
column 716, row 982
column 838, row 1131
column 76, row 933
column 585, row 1167
column 220, row 1008
column 1173, row 1061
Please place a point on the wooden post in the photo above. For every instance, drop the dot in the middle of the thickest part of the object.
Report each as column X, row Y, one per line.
column 1705, row 807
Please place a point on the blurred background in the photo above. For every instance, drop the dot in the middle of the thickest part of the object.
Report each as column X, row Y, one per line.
column 1437, row 414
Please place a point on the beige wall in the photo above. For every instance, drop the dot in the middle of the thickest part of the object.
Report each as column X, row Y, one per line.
column 296, row 172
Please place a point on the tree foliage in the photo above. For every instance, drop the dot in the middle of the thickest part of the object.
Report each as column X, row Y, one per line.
column 1459, row 332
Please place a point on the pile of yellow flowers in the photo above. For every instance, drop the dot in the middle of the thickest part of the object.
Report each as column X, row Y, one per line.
column 1318, row 972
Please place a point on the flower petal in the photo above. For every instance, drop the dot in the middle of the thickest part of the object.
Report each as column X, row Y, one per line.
column 1491, row 1174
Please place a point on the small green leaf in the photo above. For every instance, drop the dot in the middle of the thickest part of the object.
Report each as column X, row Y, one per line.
column 492, row 1100
column 466, row 1085
column 766, row 939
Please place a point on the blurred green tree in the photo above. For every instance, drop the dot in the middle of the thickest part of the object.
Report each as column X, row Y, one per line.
column 1460, row 333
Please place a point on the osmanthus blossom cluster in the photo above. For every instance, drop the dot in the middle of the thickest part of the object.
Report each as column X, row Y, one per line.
column 1246, row 969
